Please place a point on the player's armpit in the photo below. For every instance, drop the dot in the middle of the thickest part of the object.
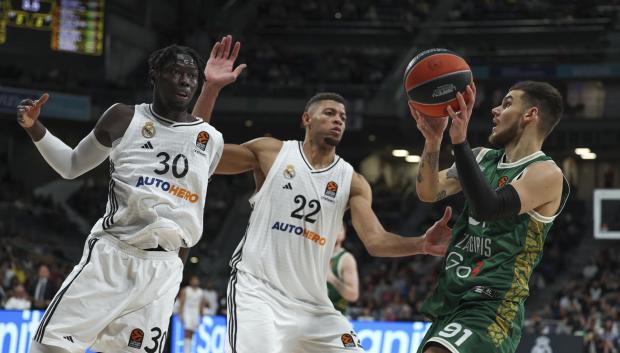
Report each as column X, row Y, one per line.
column 236, row 159
column 539, row 187
column 113, row 123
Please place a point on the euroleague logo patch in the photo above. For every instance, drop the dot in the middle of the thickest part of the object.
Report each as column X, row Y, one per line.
column 202, row 139
column 502, row 181
column 331, row 189
column 135, row 338
column 347, row 341
column 350, row 340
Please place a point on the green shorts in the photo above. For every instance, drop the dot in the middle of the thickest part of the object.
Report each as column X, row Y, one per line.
column 476, row 329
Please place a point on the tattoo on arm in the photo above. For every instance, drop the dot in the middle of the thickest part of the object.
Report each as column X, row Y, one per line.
column 429, row 160
column 419, row 179
column 441, row 195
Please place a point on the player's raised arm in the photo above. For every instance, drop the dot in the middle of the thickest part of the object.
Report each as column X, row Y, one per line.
column 218, row 73
column 257, row 155
column 89, row 153
column 380, row 242
column 431, row 184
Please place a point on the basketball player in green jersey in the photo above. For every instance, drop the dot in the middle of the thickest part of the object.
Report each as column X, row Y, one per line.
column 513, row 193
column 342, row 276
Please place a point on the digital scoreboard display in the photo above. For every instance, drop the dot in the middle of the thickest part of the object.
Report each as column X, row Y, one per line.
column 74, row 26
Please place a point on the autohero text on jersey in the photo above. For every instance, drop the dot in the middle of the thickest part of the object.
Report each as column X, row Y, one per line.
column 293, row 229
column 168, row 187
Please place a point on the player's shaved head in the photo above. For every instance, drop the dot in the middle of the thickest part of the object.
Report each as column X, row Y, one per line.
column 323, row 96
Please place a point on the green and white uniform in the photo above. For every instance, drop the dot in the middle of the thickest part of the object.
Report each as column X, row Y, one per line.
column 478, row 304
column 339, row 302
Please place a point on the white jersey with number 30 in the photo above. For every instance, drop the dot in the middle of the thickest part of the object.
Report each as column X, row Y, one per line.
column 159, row 173
column 292, row 230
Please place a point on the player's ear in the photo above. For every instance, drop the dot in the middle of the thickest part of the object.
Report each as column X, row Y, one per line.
column 531, row 114
column 305, row 119
column 152, row 76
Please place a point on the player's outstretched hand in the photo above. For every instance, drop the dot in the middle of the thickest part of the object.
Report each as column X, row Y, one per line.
column 219, row 70
column 431, row 128
column 460, row 120
column 28, row 111
column 437, row 237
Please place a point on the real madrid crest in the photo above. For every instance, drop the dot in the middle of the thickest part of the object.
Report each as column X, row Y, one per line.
column 289, row 171
column 148, row 130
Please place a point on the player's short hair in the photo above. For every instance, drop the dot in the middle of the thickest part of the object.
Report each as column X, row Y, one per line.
column 161, row 57
column 546, row 98
column 324, row 96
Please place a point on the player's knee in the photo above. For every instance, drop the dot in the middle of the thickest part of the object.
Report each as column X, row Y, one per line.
column 36, row 347
column 435, row 348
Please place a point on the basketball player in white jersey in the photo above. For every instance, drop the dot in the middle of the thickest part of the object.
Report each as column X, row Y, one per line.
column 277, row 300
column 191, row 302
column 119, row 297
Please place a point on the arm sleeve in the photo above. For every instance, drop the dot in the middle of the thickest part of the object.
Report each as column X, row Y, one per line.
column 485, row 203
column 71, row 163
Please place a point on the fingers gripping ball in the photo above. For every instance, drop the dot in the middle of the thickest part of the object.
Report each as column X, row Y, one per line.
column 432, row 80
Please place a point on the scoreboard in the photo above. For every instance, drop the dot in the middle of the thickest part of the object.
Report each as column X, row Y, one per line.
column 74, row 26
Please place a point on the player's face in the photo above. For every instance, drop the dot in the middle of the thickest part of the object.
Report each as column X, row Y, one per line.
column 178, row 81
column 194, row 282
column 328, row 121
column 507, row 119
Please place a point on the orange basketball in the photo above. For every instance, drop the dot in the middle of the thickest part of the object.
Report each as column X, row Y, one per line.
column 432, row 80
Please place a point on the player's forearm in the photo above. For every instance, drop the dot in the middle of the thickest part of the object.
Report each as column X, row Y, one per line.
column 71, row 163
column 485, row 203
column 427, row 182
column 349, row 292
column 393, row 245
column 183, row 254
column 206, row 102
column 36, row 131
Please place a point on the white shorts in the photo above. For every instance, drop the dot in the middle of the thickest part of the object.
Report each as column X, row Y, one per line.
column 191, row 319
column 262, row 319
column 118, row 298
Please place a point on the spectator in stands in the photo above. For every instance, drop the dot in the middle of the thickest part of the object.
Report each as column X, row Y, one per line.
column 19, row 299
column 42, row 289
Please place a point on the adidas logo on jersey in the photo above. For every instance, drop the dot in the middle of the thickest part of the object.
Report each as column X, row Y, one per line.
column 287, row 186
column 148, row 146
column 68, row 338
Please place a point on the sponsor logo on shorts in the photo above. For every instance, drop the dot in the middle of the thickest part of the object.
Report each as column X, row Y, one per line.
column 502, row 181
column 293, row 229
column 68, row 338
column 331, row 189
column 202, row 139
column 169, row 188
column 135, row 338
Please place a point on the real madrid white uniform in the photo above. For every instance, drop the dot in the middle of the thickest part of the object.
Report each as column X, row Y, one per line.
column 277, row 297
column 119, row 298
column 191, row 307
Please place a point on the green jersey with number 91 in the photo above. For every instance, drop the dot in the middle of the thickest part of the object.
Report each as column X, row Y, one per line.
column 491, row 262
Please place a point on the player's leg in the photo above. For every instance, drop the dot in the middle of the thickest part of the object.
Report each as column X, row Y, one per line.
column 190, row 324
column 88, row 299
column 435, row 348
column 327, row 331
column 251, row 322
